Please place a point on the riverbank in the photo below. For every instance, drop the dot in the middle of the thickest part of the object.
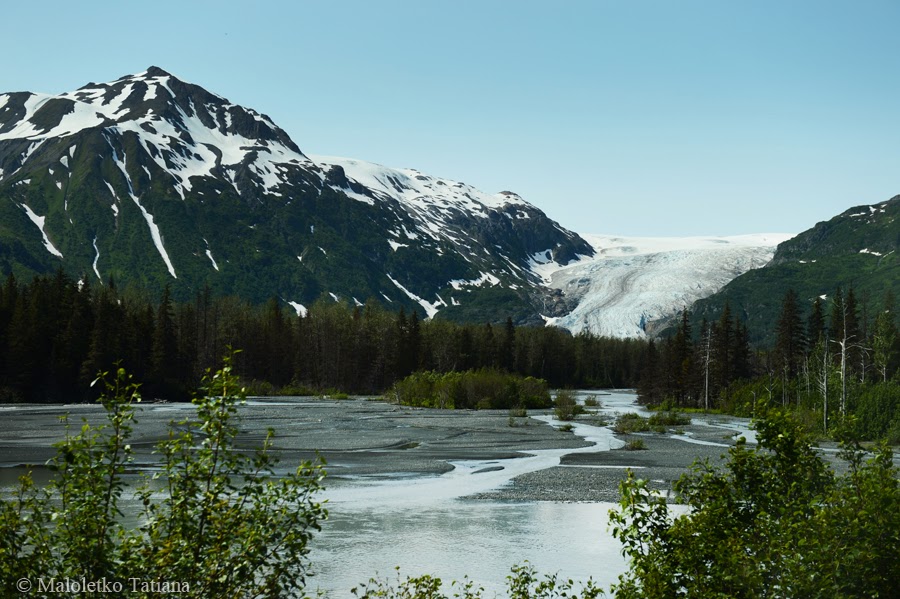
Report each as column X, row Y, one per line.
column 366, row 443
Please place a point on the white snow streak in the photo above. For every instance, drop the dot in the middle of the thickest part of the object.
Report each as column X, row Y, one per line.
column 210, row 256
column 484, row 278
column 39, row 221
column 154, row 229
column 300, row 308
column 96, row 258
column 430, row 308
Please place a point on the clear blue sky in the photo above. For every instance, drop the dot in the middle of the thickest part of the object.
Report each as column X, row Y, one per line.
column 630, row 117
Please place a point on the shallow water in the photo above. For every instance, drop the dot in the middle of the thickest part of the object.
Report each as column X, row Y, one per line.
column 451, row 539
column 422, row 523
column 424, row 526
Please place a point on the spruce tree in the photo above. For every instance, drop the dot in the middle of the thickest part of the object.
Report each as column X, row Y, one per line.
column 815, row 323
column 790, row 344
column 164, row 365
column 508, row 346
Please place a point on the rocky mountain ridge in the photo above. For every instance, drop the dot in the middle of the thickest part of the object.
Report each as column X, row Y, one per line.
column 150, row 181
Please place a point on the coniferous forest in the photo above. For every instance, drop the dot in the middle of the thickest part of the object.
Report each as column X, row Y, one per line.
column 57, row 334
column 835, row 364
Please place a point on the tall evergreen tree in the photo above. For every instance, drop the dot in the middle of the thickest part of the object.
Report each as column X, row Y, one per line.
column 508, row 346
column 164, row 363
column 885, row 342
column 790, row 344
column 815, row 323
column 683, row 363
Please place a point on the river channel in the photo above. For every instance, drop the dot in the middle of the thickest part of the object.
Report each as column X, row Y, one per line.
column 439, row 492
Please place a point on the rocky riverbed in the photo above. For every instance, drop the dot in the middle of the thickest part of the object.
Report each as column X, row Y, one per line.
column 366, row 442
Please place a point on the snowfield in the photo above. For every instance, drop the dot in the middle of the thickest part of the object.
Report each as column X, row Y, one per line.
column 633, row 281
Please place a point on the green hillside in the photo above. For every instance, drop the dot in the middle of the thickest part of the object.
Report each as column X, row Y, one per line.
column 857, row 249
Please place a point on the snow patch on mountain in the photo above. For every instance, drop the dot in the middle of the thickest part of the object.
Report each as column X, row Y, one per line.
column 431, row 308
column 39, row 222
column 180, row 143
column 210, row 256
column 632, row 281
column 299, row 308
column 154, row 228
column 424, row 192
column 96, row 259
column 485, row 277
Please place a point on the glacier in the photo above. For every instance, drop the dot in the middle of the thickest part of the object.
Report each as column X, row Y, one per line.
column 633, row 282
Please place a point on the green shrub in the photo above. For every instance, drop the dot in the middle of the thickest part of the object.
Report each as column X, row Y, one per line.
column 668, row 418
column 635, row 445
column 591, row 402
column 227, row 525
column 518, row 412
column 565, row 405
column 630, row 422
column 776, row 521
column 567, row 428
column 474, row 389
column 522, row 583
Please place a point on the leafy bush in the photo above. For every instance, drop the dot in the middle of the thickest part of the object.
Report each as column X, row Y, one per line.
column 776, row 522
column 518, row 412
column 522, row 583
column 478, row 389
column 877, row 412
column 565, row 406
column 635, row 445
column 226, row 526
column 592, row 402
column 630, row 422
column 668, row 418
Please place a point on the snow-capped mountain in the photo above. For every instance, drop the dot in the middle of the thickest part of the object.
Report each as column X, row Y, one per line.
column 633, row 285
column 151, row 180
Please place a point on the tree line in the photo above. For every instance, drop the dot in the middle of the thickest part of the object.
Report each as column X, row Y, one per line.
column 836, row 363
column 56, row 334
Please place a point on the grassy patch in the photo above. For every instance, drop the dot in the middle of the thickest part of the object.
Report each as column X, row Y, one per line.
column 635, row 445
column 518, row 412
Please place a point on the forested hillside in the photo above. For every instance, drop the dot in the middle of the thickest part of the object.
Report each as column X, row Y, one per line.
column 57, row 333
column 836, row 364
column 857, row 248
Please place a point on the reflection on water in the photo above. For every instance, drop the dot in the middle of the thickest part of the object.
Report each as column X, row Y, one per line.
column 422, row 524
column 450, row 540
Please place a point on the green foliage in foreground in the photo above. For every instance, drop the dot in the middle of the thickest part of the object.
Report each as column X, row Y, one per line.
column 776, row 522
column 226, row 524
column 473, row 389
column 523, row 583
